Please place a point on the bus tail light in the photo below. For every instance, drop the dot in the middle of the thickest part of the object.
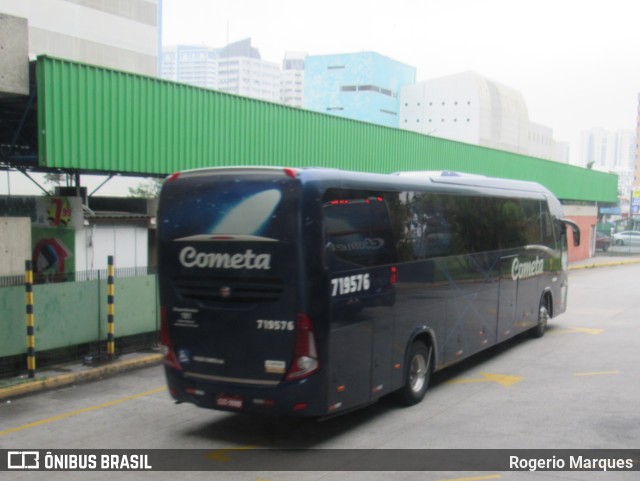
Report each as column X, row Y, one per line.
column 170, row 358
column 305, row 359
column 393, row 277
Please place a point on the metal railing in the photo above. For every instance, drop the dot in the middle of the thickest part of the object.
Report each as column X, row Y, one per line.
column 78, row 276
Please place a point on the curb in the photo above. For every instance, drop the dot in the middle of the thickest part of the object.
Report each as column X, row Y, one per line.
column 604, row 264
column 90, row 374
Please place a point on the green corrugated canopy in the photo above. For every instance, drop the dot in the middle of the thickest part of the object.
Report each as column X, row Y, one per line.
column 94, row 119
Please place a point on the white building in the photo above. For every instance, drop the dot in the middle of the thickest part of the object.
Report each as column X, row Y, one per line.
column 191, row 64
column 292, row 79
column 610, row 152
column 242, row 71
column 469, row 108
column 541, row 142
column 237, row 68
column 113, row 34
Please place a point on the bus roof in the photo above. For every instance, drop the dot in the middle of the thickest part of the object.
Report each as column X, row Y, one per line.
column 438, row 180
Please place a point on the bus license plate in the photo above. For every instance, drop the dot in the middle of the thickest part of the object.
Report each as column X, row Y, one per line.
column 225, row 401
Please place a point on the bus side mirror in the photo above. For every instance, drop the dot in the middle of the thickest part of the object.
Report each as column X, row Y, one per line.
column 575, row 229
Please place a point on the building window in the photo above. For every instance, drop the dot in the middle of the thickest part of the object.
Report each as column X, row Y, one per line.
column 368, row 88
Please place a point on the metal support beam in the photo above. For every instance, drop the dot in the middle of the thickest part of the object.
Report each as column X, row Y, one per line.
column 111, row 176
column 23, row 119
column 24, row 172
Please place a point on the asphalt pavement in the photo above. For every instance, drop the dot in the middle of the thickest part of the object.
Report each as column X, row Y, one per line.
column 70, row 374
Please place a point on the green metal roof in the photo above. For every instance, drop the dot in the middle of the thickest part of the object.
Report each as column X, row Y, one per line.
column 95, row 119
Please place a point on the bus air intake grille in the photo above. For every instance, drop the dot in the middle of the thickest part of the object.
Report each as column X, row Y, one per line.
column 229, row 291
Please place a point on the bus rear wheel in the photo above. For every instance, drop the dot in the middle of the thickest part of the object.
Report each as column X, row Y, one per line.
column 417, row 374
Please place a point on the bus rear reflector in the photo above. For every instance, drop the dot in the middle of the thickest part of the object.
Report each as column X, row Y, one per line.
column 305, row 358
column 170, row 358
column 293, row 173
column 173, row 177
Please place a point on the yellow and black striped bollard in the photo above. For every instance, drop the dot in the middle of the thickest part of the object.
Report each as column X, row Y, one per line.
column 31, row 339
column 110, row 308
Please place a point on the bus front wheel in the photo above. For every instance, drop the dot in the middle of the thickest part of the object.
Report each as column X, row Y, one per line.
column 417, row 374
column 543, row 318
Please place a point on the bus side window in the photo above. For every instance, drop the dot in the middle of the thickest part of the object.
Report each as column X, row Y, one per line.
column 427, row 230
column 358, row 229
column 548, row 232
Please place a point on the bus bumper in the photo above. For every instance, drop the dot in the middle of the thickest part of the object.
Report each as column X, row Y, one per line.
column 299, row 398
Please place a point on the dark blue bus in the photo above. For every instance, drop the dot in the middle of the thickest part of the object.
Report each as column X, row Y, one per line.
column 310, row 292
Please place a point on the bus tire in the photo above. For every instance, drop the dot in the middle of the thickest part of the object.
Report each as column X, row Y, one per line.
column 417, row 374
column 543, row 318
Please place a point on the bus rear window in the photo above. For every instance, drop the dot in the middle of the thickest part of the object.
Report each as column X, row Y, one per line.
column 220, row 205
column 358, row 229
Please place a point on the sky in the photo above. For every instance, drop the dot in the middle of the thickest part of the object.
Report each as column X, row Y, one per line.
column 577, row 63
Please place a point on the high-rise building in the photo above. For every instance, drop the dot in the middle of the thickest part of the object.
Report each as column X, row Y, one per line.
column 362, row 86
column 119, row 35
column 237, row 68
column 469, row 108
column 242, row 71
column 607, row 150
column 611, row 152
column 191, row 64
column 292, row 79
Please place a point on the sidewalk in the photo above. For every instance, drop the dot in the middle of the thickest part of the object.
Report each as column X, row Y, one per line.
column 70, row 374
column 74, row 373
column 604, row 261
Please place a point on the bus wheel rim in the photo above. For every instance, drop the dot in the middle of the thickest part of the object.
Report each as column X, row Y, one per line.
column 544, row 316
column 417, row 373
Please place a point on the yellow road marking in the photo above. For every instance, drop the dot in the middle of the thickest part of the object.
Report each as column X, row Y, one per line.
column 503, row 379
column 597, row 373
column 585, row 330
column 222, row 455
column 80, row 411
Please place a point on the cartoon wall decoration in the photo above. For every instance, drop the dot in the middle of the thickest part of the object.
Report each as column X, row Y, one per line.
column 53, row 237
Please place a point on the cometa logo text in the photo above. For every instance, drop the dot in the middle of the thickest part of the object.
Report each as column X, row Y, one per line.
column 190, row 257
column 523, row 270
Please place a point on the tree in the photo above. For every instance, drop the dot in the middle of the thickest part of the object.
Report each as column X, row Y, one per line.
column 54, row 179
column 147, row 189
